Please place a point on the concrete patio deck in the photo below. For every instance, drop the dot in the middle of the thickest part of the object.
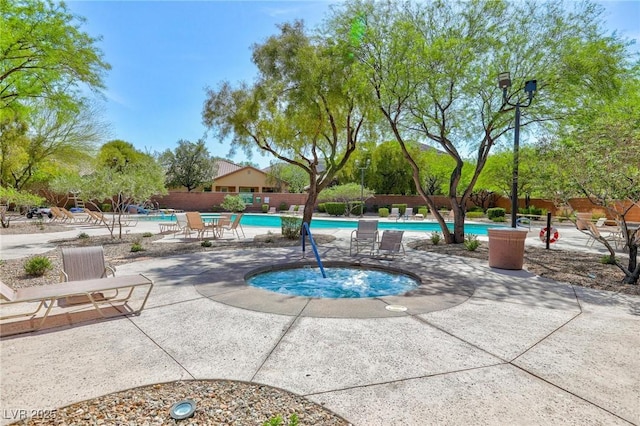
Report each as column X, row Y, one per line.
column 475, row 346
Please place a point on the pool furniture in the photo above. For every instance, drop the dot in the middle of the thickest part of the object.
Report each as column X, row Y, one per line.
column 391, row 243
column 84, row 263
column 395, row 213
column 272, row 210
column 613, row 235
column 34, row 299
column 233, row 226
column 366, row 235
column 195, row 223
column 408, row 213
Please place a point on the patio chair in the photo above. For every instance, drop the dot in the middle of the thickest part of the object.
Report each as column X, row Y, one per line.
column 613, row 236
column 45, row 297
column 272, row 210
column 366, row 235
column 408, row 213
column 195, row 223
column 181, row 225
column 233, row 226
column 292, row 209
column 395, row 213
column 84, row 263
column 391, row 243
column 58, row 215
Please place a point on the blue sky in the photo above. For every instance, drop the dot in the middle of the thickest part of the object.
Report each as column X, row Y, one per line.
column 165, row 53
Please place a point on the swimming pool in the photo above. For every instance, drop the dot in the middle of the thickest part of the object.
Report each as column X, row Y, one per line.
column 273, row 221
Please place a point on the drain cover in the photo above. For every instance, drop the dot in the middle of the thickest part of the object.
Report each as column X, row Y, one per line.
column 395, row 308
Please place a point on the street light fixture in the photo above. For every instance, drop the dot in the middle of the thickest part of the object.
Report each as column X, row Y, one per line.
column 530, row 87
column 362, row 165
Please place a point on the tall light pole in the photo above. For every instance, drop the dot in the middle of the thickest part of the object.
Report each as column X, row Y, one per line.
column 504, row 82
column 362, row 165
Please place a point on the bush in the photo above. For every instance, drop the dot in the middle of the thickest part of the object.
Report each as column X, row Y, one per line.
column 136, row 247
column 321, row 208
column 608, row 260
column 335, row 209
column 105, row 207
column 291, row 227
column 471, row 242
column 401, row 208
column 424, row 211
column 83, row 236
column 495, row 213
column 355, row 208
column 597, row 215
column 499, row 219
column 383, row 212
column 435, row 238
column 475, row 209
column 265, row 208
column 147, row 234
column 206, row 243
column 233, row 203
column 37, row 266
column 475, row 215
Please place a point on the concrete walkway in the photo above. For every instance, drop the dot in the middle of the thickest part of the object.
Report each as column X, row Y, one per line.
column 475, row 346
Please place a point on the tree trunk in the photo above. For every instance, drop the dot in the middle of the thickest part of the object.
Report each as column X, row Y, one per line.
column 634, row 269
column 310, row 204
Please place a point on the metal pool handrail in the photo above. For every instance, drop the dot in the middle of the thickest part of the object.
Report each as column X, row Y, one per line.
column 305, row 228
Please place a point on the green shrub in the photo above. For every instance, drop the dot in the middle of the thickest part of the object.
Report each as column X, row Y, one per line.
column 401, row 208
column 291, row 227
column 597, row 215
column 37, row 266
column 147, row 235
column 83, row 236
column 321, row 208
column 475, row 209
column 335, row 209
column 475, row 215
column 233, row 203
column 435, row 238
column 383, row 212
column 495, row 213
column 499, row 219
column 283, row 206
column 136, row 247
column 355, row 208
column 424, row 211
column 471, row 242
column 106, row 207
column 608, row 260
column 265, row 208
column 206, row 243
column 279, row 421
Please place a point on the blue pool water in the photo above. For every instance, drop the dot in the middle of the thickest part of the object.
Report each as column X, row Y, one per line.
column 340, row 282
column 273, row 221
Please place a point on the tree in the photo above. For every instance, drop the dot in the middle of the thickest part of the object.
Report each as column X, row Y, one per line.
column 598, row 157
column 302, row 109
column 432, row 67
column 294, row 177
column 347, row 194
column 36, row 146
column 122, row 176
column 45, row 55
column 497, row 174
column 10, row 196
column 190, row 165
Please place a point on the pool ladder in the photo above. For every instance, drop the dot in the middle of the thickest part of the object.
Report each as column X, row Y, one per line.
column 305, row 229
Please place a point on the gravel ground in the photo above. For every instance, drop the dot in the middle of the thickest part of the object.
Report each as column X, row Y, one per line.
column 238, row 403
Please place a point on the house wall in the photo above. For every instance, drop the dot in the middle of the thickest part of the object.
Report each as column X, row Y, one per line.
column 246, row 177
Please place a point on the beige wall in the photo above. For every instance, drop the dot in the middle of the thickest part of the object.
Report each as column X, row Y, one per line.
column 247, row 177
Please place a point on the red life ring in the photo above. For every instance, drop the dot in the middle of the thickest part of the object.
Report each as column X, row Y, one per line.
column 555, row 235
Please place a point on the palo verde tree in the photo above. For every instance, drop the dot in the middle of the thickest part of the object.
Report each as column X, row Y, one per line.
column 189, row 165
column 302, row 109
column 122, row 176
column 598, row 157
column 433, row 66
column 280, row 174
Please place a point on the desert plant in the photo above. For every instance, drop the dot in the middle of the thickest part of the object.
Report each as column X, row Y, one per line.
column 499, row 219
column 383, row 212
column 233, row 203
column 423, row 211
column 105, row 207
column 495, row 213
column 279, row 421
column 607, row 259
column 37, row 266
column 475, row 215
column 206, row 243
column 83, row 236
column 291, row 227
column 265, row 208
column 283, row 206
column 435, row 238
column 136, row 247
column 471, row 242
column 147, row 234
column 335, row 209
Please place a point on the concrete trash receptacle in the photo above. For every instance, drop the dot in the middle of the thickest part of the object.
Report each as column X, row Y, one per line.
column 506, row 248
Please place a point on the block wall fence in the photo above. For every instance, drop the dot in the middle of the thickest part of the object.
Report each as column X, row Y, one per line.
column 205, row 202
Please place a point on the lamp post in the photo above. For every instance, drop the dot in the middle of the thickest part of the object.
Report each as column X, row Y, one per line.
column 504, row 82
column 362, row 165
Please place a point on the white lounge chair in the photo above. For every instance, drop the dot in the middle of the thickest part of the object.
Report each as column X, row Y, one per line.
column 366, row 235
